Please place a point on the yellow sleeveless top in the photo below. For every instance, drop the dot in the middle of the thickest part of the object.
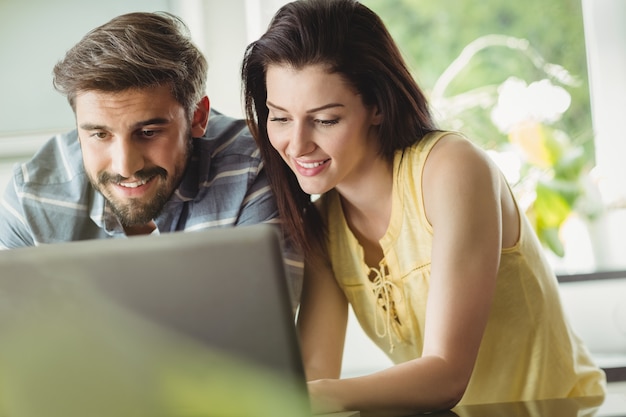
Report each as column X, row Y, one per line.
column 528, row 351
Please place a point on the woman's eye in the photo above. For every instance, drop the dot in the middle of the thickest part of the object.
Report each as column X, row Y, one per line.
column 278, row 119
column 328, row 122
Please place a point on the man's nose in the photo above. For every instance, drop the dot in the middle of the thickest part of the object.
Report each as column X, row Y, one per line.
column 127, row 157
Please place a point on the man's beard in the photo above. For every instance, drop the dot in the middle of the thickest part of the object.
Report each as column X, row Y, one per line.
column 135, row 212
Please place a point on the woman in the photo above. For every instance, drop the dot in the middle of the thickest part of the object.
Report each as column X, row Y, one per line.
column 415, row 228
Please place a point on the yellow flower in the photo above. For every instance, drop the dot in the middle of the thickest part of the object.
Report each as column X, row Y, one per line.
column 530, row 137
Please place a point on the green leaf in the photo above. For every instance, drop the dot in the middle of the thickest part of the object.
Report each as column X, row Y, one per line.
column 553, row 143
column 568, row 190
column 550, row 207
column 572, row 164
column 550, row 238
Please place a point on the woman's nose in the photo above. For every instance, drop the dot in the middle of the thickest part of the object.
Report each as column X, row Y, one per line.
column 300, row 142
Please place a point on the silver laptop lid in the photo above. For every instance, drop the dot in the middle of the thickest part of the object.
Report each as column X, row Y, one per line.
column 196, row 324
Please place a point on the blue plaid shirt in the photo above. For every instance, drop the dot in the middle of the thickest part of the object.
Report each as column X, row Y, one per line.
column 50, row 198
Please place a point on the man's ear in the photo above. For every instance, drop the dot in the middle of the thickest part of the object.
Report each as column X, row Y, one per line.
column 200, row 118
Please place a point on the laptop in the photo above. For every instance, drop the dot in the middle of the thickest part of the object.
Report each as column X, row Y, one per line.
column 180, row 324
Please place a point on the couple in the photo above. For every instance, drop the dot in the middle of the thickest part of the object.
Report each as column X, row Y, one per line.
column 415, row 228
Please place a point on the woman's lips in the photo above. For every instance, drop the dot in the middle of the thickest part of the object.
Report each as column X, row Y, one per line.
column 310, row 168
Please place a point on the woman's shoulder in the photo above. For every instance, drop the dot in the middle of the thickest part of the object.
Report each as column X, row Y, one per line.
column 428, row 142
column 453, row 149
column 445, row 158
column 414, row 157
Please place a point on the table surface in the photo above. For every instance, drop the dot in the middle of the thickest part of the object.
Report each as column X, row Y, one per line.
column 613, row 405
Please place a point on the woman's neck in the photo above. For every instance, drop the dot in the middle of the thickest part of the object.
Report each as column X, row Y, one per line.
column 367, row 207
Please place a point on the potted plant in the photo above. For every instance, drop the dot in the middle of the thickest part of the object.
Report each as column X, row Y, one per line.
column 547, row 170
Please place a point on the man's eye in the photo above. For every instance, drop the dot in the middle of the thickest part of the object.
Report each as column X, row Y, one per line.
column 98, row 135
column 148, row 133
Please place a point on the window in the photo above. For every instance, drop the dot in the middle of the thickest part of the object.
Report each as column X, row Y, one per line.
column 514, row 78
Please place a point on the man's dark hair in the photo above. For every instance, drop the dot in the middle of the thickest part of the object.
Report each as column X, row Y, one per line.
column 135, row 50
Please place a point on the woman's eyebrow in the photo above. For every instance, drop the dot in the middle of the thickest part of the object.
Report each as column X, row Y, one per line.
column 316, row 109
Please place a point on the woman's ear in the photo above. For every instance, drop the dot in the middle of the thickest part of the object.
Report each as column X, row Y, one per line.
column 377, row 116
column 200, row 118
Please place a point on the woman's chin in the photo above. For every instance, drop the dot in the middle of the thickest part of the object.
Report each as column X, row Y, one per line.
column 313, row 189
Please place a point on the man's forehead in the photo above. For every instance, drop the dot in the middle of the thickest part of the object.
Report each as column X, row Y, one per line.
column 137, row 94
column 136, row 107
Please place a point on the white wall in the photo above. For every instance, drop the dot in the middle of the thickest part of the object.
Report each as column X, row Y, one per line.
column 34, row 35
column 222, row 30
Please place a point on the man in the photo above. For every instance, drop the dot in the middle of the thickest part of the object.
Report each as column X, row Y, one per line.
column 148, row 156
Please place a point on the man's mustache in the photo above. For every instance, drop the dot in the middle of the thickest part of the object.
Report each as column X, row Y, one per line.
column 142, row 175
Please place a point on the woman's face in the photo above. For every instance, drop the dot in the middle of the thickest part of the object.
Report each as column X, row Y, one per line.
column 320, row 126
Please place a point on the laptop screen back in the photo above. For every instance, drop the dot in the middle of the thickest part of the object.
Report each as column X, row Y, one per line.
column 180, row 324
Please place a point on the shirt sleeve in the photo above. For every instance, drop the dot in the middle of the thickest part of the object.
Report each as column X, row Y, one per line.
column 14, row 230
column 259, row 205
